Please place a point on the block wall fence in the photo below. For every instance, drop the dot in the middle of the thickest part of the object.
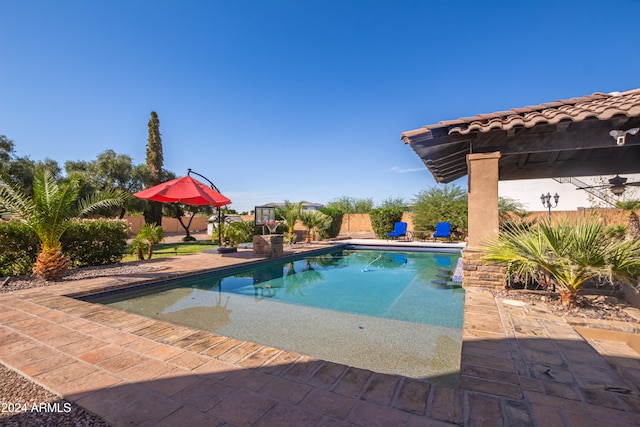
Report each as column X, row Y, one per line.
column 359, row 223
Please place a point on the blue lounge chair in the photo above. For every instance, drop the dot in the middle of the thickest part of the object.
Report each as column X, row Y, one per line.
column 399, row 230
column 443, row 230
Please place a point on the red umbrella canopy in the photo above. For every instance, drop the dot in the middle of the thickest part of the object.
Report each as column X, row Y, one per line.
column 186, row 190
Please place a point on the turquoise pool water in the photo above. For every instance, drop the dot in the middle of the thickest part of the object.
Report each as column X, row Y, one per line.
column 386, row 284
column 374, row 309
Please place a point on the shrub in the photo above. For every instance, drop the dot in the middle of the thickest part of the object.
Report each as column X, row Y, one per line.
column 437, row 204
column 19, row 248
column 383, row 220
column 616, row 231
column 239, row 232
column 336, row 215
column 90, row 242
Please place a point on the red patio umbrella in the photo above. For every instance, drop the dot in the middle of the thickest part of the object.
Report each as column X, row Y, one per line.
column 186, row 190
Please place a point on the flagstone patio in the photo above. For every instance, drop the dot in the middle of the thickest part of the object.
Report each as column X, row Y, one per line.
column 521, row 365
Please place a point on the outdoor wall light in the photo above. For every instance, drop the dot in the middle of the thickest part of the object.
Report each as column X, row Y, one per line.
column 621, row 135
column 546, row 202
column 617, row 189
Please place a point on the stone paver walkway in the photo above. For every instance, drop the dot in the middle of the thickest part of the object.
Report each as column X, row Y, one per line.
column 521, row 366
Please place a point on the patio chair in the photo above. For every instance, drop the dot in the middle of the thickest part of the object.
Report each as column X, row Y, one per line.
column 443, row 230
column 399, row 230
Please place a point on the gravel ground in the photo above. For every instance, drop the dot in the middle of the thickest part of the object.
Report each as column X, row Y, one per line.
column 603, row 307
column 26, row 282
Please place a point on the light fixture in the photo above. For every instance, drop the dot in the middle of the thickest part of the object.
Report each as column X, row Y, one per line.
column 546, row 202
column 617, row 189
column 621, row 135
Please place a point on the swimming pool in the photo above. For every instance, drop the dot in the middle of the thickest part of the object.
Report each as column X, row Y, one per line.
column 388, row 311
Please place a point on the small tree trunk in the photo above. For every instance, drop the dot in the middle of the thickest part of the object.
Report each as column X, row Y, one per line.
column 633, row 232
column 186, row 227
column 569, row 298
column 51, row 264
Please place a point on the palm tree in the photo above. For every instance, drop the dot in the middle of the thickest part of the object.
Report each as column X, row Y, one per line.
column 49, row 213
column 567, row 253
column 290, row 212
column 314, row 221
column 152, row 234
column 633, row 231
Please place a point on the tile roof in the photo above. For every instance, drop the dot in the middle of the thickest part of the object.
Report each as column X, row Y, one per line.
column 553, row 139
column 601, row 106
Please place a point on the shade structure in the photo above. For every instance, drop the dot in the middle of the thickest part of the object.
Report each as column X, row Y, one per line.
column 185, row 190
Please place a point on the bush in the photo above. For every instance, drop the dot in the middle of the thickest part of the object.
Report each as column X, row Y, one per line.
column 383, row 220
column 616, row 231
column 239, row 232
column 438, row 204
column 336, row 215
column 95, row 242
column 19, row 248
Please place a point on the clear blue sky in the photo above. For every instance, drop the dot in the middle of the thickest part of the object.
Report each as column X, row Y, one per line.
column 296, row 100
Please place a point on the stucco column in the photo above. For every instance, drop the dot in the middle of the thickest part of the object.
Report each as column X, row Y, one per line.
column 483, row 220
column 483, row 196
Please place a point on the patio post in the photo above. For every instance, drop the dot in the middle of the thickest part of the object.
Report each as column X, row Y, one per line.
column 483, row 218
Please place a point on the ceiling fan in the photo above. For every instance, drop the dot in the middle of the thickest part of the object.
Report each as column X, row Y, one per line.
column 616, row 185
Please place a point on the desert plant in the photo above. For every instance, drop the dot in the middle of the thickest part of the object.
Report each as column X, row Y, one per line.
column 633, row 230
column 49, row 214
column 565, row 252
column 139, row 247
column 314, row 221
column 152, row 234
column 238, row 232
column 290, row 212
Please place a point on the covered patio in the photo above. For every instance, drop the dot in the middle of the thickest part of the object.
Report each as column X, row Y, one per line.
column 584, row 136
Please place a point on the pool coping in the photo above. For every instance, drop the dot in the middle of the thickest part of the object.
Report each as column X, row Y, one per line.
column 521, row 365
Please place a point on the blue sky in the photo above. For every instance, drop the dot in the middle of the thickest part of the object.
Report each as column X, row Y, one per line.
column 295, row 100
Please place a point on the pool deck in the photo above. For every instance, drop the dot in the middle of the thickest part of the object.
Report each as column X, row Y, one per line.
column 521, row 365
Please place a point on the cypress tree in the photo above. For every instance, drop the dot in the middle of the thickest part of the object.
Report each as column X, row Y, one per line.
column 153, row 210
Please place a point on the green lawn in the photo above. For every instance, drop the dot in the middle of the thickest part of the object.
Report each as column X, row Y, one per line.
column 162, row 250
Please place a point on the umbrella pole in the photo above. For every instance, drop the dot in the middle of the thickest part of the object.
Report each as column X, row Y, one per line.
column 219, row 227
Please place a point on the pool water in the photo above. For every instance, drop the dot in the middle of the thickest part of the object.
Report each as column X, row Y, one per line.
column 367, row 308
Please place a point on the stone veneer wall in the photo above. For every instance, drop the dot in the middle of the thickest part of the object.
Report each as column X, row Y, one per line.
column 269, row 245
column 477, row 273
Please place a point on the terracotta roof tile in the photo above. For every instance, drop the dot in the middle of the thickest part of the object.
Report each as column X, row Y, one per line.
column 599, row 105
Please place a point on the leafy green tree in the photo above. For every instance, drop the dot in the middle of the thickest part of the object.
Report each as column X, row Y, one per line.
column 49, row 213
column 568, row 253
column 438, row 204
column 6, row 151
column 352, row 205
column 631, row 206
column 155, row 160
column 508, row 206
column 110, row 170
column 395, row 202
